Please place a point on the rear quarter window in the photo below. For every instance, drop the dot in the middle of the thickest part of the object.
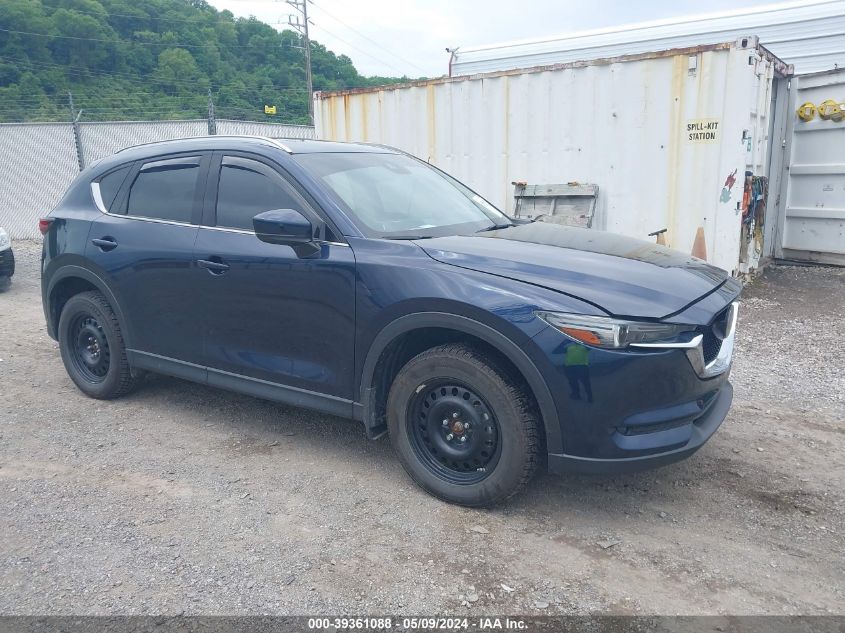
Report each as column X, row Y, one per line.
column 110, row 185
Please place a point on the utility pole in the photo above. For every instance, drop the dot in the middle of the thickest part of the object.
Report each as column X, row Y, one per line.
column 212, row 122
column 301, row 27
column 77, row 138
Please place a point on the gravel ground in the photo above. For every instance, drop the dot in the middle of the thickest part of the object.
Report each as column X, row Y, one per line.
column 179, row 498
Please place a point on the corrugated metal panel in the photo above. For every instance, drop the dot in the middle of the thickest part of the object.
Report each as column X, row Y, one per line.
column 38, row 162
column 813, row 225
column 809, row 35
column 622, row 126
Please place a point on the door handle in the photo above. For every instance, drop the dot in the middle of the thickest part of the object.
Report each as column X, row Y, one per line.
column 215, row 265
column 105, row 243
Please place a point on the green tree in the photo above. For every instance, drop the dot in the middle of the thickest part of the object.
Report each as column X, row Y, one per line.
column 177, row 71
column 131, row 59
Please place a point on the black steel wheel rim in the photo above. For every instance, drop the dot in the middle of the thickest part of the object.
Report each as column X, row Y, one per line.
column 453, row 432
column 89, row 348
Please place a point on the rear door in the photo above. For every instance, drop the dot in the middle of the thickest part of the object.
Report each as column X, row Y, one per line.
column 277, row 325
column 143, row 245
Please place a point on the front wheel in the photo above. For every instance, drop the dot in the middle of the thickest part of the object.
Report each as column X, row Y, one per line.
column 463, row 428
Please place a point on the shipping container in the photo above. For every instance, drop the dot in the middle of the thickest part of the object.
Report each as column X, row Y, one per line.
column 810, row 225
column 667, row 137
column 810, row 35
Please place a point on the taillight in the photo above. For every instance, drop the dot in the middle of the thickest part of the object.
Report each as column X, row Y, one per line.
column 44, row 225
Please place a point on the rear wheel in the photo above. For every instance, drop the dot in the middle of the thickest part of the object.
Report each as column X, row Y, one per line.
column 92, row 348
column 463, row 428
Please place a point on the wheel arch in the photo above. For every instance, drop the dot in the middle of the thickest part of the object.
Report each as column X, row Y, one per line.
column 70, row 280
column 461, row 326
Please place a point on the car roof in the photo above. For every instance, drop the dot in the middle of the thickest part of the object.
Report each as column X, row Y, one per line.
column 291, row 146
column 235, row 142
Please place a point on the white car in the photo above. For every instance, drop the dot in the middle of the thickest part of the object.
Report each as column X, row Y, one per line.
column 7, row 258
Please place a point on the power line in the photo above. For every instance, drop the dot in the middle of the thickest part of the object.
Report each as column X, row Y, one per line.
column 302, row 28
column 366, row 37
column 337, row 19
column 217, row 17
column 360, row 50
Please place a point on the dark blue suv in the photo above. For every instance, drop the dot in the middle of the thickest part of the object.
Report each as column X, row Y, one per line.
column 359, row 281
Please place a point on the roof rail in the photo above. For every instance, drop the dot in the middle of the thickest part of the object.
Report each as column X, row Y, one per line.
column 267, row 139
column 277, row 143
column 390, row 147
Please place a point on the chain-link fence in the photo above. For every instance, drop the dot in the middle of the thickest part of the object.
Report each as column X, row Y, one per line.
column 39, row 160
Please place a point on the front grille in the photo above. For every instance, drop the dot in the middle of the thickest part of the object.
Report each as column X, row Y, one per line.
column 713, row 334
column 710, row 346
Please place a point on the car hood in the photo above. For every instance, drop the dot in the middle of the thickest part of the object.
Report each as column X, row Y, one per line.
column 621, row 275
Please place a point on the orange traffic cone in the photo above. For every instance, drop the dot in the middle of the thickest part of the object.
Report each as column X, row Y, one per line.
column 699, row 246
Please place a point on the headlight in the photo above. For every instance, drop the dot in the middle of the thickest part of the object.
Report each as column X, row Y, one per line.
column 612, row 333
column 5, row 242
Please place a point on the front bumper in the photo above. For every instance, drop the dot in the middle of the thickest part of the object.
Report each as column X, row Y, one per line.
column 631, row 409
column 697, row 432
column 7, row 263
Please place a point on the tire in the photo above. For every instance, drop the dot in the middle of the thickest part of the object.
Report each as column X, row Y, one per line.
column 502, row 449
column 92, row 348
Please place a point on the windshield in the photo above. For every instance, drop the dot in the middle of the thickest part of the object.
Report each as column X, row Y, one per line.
column 396, row 196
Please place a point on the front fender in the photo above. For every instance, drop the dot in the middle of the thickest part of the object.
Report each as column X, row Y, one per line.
column 489, row 335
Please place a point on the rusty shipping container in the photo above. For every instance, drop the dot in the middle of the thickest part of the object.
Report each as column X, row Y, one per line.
column 667, row 136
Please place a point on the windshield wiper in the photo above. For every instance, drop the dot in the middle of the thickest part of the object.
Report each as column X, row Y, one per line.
column 408, row 237
column 495, row 227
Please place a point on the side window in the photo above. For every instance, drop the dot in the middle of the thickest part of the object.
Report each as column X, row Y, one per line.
column 165, row 189
column 247, row 188
column 110, row 185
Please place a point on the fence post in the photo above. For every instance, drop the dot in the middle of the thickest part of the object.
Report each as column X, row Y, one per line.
column 77, row 137
column 212, row 122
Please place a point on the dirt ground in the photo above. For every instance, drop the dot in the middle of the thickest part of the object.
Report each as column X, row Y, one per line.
column 179, row 498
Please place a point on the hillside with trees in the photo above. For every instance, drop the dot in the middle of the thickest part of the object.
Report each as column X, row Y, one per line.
column 155, row 59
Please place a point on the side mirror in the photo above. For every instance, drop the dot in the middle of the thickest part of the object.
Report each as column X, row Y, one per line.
column 283, row 226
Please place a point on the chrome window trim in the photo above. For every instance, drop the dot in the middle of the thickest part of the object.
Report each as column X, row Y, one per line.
column 98, row 198
column 156, row 220
column 227, row 230
column 245, row 232
column 101, row 207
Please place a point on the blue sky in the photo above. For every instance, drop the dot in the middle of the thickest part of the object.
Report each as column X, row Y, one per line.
column 392, row 37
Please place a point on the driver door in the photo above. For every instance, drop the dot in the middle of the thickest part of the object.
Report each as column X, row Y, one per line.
column 274, row 324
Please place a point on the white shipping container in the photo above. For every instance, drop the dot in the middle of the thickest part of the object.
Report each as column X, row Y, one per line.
column 666, row 136
column 807, row 33
column 811, row 221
